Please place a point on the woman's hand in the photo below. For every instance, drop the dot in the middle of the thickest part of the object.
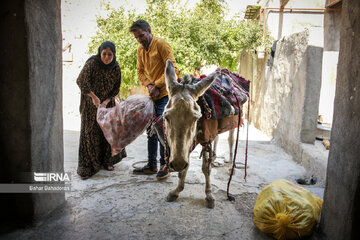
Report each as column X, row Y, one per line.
column 105, row 103
column 95, row 99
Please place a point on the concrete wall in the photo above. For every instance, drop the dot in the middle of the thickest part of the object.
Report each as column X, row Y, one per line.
column 246, row 66
column 31, row 110
column 286, row 22
column 332, row 26
column 341, row 209
column 246, row 69
column 286, row 97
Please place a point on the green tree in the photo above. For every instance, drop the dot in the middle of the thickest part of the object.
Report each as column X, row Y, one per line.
column 199, row 37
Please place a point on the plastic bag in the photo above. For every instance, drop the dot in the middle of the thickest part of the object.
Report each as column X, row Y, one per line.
column 123, row 123
column 286, row 211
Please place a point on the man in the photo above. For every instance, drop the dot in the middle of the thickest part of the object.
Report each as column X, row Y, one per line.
column 151, row 60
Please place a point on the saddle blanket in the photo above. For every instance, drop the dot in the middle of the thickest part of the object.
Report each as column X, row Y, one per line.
column 225, row 96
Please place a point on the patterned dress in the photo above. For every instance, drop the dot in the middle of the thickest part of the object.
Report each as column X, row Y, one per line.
column 94, row 150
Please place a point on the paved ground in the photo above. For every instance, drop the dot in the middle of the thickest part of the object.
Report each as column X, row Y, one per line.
column 119, row 205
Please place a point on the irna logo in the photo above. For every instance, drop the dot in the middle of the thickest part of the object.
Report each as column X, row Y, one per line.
column 51, row 177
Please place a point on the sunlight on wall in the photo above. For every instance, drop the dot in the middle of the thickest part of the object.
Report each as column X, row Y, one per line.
column 328, row 86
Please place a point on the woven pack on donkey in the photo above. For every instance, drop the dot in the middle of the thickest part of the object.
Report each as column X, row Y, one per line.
column 225, row 96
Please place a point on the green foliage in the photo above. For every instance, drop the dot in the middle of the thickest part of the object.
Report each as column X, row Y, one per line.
column 201, row 36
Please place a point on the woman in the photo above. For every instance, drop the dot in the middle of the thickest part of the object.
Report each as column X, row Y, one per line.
column 99, row 82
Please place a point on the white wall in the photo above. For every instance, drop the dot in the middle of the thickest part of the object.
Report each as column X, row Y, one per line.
column 286, row 23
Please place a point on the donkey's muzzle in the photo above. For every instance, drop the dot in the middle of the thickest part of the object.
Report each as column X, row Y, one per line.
column 178, row 166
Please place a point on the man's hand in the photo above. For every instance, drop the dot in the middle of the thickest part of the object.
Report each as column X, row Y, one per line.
column 154, row 92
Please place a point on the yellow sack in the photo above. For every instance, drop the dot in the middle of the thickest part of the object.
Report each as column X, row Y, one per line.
column 286, row 211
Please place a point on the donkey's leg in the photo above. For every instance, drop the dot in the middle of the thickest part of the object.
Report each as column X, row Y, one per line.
column 174, row 194
column 231, row 150
column 231, row 146
column 213, row 152
column 206, row 168
column 216, row 140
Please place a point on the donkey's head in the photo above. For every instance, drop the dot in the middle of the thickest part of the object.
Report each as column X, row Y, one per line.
column 181, row 115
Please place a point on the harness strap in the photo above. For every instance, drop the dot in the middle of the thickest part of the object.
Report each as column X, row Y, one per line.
column 158, row 120
column 247, row 138
column 231, row 198
column 165, row 146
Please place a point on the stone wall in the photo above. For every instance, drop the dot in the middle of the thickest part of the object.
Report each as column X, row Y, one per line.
column 286, row 97
column 31, row 110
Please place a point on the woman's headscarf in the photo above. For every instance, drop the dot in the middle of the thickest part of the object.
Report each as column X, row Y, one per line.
column 97, row 57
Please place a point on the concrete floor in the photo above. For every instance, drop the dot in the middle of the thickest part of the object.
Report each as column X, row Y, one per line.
column 119, row 205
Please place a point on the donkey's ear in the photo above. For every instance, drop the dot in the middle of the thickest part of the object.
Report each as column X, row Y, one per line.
column 199, row 88
column 170, row 78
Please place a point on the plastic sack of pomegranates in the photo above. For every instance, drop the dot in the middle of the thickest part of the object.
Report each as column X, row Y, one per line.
column 123, row 123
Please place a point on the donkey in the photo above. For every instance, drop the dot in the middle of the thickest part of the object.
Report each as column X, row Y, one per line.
column 181, row 116
column 230, row 141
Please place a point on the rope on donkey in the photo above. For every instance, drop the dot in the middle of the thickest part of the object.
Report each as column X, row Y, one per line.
column 231, row 198
column 165, row 143
column 151, row 132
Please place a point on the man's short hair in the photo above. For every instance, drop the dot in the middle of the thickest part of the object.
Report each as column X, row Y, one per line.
column 139, row 24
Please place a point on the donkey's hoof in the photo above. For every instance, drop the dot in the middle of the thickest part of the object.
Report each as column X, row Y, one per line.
column 210, row 203
column 171, row 197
